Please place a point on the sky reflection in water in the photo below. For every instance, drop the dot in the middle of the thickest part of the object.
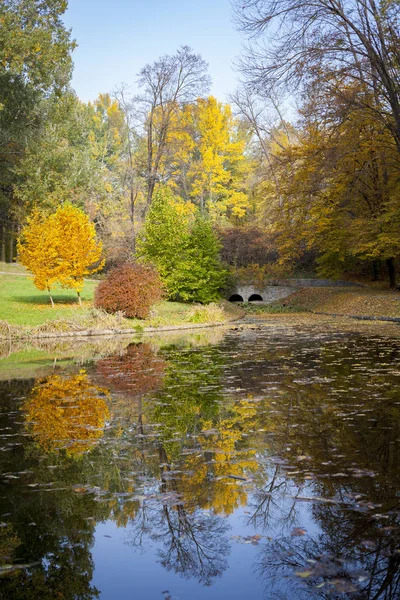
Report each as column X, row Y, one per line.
column 264, row 464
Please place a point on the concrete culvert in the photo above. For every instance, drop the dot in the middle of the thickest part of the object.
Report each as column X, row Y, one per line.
column 236, row 298
column 255, row 298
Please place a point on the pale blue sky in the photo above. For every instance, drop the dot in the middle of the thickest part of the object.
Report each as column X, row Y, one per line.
column 117, row 37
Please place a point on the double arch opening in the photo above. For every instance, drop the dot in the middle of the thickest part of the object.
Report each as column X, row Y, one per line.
column 252, row 298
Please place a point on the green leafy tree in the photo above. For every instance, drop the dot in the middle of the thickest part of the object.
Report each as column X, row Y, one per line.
column 200, row 275
column 164, row 238
column 185, row 251
column 35, row 63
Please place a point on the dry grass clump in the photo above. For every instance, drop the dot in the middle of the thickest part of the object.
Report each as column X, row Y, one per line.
column 9, row 331
column 93, row 319
column 208, row 313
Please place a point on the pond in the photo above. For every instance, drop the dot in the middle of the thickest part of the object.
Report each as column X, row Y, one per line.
column 259, row 462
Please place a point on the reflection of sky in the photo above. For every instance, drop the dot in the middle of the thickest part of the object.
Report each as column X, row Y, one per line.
column 125, row 573
column 116, row 39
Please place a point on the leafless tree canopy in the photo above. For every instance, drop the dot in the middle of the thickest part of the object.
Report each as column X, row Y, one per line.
column 355, row 39
column 167, row 84
column 181, row 77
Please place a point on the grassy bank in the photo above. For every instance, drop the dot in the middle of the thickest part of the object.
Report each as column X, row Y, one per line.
column 26, row 310
column 362, row 302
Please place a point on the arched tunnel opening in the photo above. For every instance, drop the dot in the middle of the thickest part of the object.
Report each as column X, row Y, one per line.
column 236, row 298
column 255, row 298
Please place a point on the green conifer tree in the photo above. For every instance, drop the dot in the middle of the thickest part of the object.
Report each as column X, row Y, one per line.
column 185, row 253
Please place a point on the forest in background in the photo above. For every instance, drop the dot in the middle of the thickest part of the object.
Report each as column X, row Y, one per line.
column 299, row 172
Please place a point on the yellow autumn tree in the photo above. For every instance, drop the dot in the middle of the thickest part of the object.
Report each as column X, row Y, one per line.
column 206, row 161
column 66, row 413
column 60, row 249
column 219, row 175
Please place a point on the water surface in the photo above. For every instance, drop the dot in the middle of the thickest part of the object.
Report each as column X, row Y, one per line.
column 261, row 463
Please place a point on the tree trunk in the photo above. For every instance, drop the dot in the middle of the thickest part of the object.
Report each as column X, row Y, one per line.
column 79, row 298
column 132, row 218
column 375, row 270
column 391, row 272
column 11, row 244
column 51, row 298
column 151, row 184
column 3, row 243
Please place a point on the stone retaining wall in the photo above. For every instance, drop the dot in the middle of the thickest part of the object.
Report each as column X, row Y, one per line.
column 277, row 289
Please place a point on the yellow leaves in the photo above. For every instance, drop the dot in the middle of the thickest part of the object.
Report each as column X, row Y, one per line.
column 184, row 209
column 61, row 248
column 218, row 177
column 66, row 413
column 224, row 491
column 206, row 155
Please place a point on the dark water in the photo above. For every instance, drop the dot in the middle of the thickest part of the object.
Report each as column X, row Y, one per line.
column 263, row 465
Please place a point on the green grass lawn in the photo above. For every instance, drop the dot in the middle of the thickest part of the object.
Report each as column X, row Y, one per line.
column 21, row 303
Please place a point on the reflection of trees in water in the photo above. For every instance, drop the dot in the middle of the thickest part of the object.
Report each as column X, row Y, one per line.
column 213, row 475
column 66, row 412
column 203, row 423
column 328, row 566
column 136, row 371
column 193, row 543
column 342, row 447
column 66, row 574
column 51, row 528
column 332, row 430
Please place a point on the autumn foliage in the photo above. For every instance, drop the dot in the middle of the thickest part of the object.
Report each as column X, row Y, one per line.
column 60, row 248
column 138, row 371
column 130, row 288
column 66, row 413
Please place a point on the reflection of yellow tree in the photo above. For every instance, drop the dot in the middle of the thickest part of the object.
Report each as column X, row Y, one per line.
column 66, row 412
column 229, row 465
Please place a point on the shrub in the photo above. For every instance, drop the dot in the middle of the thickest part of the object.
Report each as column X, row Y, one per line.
column 130, row 288
column 211, row 313
column 242, row 246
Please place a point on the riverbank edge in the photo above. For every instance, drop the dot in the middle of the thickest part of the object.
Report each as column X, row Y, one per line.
column 107, row 332
column 358, row 317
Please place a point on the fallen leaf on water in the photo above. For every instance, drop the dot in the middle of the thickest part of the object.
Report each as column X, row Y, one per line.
column 303, row 573
column 298, row 531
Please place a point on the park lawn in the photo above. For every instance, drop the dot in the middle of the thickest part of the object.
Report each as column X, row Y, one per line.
column 21, row 303
column 13, row 268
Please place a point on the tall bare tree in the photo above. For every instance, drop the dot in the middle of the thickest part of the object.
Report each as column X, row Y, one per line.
column 357, row 39
column 167, row 84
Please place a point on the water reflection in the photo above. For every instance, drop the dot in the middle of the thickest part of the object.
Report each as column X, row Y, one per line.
column 66, row 413
column 278, row 444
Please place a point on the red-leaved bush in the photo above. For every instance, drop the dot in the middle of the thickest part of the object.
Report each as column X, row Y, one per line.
column 130, row 288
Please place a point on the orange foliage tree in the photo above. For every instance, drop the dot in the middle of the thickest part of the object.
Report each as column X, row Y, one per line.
column 61, row 248
column 66, row 412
